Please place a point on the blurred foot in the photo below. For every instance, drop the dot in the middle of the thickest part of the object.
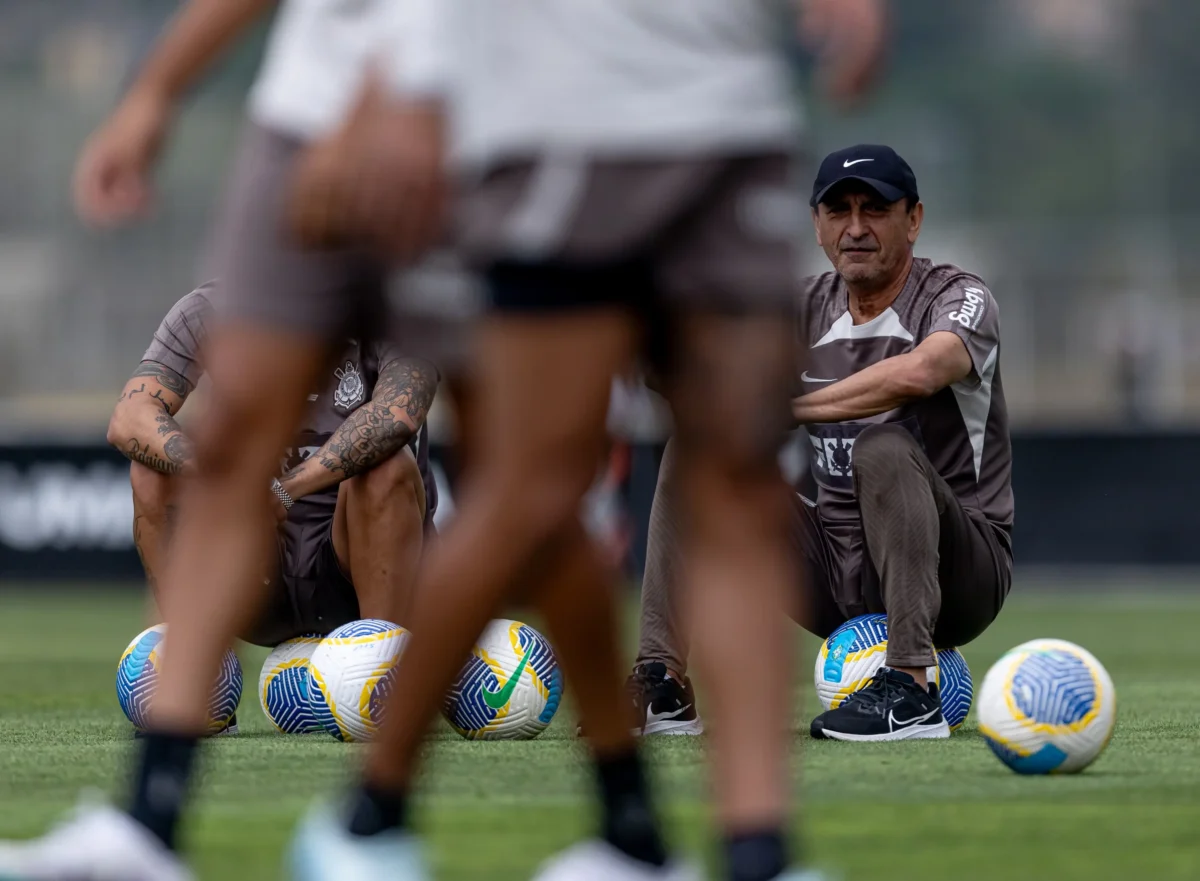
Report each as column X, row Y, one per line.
column 892, row 707
column 662, row 704
column 324, row 850
column 230, row 730
column 600, row 861
column 96, row 842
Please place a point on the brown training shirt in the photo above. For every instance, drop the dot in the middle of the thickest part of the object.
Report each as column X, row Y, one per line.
column 177, row 344
column 963, row 429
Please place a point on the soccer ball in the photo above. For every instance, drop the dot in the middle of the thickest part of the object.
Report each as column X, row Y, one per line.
column 510, row 687
column 955, row 685
column 1047, row 707
column 137, row 676
column 283, row 686
column 853, row 654
column 350, row 677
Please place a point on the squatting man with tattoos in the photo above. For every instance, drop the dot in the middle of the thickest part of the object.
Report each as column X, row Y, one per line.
column 901, row 398
column 354, row 496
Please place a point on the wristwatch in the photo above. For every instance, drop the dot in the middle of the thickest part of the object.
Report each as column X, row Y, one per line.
column 282, row 494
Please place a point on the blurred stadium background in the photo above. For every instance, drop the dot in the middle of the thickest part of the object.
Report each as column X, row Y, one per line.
column 1054, row 143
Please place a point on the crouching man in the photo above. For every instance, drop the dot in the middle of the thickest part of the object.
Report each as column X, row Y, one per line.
column 900, row 393
column 354, row 496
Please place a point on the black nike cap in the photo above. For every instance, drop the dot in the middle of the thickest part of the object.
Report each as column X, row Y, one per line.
column 877, row 166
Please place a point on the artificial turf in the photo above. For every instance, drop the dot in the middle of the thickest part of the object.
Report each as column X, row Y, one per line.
column 919, row 811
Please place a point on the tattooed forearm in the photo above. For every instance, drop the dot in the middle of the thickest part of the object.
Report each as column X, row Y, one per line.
column 179, row 449
column 169, row 379
column 163, row 402
column 144, row 455
column 369, row 436
column 375, row 431
column 130, row 392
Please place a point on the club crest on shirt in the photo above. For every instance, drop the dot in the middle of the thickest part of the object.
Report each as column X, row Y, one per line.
column 350, row 391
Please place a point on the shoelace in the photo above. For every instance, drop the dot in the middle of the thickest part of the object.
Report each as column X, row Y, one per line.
column 876, row 695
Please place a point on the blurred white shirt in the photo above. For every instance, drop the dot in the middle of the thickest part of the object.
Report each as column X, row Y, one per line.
column 616, row 77
column 316, row 60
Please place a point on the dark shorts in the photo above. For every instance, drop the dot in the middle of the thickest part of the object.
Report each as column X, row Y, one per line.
column 309, row 592
column 570, row 232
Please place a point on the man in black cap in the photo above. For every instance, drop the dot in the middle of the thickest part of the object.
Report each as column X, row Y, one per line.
column 901, row 398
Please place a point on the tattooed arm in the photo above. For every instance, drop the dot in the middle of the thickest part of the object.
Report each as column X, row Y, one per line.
column 374, row 432
column 143, row 425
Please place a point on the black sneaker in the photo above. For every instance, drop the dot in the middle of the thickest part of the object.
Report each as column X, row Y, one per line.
column 891, row 707
column 661, row 704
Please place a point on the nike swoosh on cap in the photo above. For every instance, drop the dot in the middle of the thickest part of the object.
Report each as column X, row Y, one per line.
column 850, row 162
column 804, row 377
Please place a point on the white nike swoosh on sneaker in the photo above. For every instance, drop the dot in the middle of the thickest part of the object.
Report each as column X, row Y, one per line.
column 652, row 716
column 896, row 724
column 804, row 377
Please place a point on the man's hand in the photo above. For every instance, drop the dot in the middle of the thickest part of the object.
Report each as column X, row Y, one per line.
column 849, row 37
column 379, row 180
column 112, row 175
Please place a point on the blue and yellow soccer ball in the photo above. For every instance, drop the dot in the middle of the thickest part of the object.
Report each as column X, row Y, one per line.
column 283, row 686
column 853, row 654
column 350, row 676
column 956, row 687
column 510, row 687
column 137, row 676
column 1047, row 707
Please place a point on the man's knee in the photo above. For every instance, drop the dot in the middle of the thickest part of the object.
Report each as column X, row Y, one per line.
column 884, row 449
column 395, row 481
column 151, row 491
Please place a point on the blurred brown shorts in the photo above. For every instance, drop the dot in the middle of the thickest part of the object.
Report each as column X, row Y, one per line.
column 269, row 280
column 570, row 231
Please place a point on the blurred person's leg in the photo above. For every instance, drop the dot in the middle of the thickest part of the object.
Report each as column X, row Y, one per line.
column 727, row 272
column 277, row 307
column 518, row 518
column 739, row 570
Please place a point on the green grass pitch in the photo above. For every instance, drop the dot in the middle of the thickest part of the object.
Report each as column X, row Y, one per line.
column 904, row 812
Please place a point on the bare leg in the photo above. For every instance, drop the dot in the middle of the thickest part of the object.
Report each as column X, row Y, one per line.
column 212, row 583
column 379, row 533
column 519, row 517
column 153, row 511
column 545, row 434
column 730, row 400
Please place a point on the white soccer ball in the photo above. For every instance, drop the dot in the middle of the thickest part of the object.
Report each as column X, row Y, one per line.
column 137, row 678
column 510, row 687
column 853, row 654
column 283, row 686
column 350, row 677
column 1047, row 707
